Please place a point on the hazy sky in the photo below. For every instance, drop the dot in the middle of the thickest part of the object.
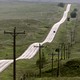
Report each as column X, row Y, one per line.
column 78, row 1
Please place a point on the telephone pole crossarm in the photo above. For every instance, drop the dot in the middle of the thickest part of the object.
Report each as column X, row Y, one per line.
column 16, row 33
column 21, row 32
column 8, row 32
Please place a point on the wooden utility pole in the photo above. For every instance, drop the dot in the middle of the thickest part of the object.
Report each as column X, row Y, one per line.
column 14, row 34
column 52, row 54
column 69, row 50
column 61, row 48
column 58, row 67
column 64, row 51
column 52, row 62
column 40, row 60
column 40, row 64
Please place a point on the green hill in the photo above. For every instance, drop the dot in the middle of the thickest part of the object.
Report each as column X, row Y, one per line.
column 37, row 20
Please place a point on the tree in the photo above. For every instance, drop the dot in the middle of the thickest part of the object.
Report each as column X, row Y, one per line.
column 75, row 9
column 73, row 14
column 61, row 4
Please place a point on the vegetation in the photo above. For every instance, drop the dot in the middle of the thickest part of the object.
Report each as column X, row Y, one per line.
column 75, row 9
column 73, row 14
column 38, row 26
column 37, row 23
column 61, row 4
column 71, row 68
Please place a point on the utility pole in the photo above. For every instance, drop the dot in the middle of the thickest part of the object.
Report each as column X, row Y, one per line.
column 58, row 67
column 61, row 53
column 64, row 51
column 14, row 34
column 52, row 63
column 69, row 50
column 52, row 54
column 40, row 60
column 71, row 34
column 40, row 64
column 61, row 48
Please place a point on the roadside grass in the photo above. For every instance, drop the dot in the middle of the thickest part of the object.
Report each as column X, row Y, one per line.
column 71, row 68
column 60, row 78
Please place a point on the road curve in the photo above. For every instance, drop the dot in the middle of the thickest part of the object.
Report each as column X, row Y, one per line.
column 32, row 50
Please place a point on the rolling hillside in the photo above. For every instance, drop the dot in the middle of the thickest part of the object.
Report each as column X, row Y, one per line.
column 37, row 20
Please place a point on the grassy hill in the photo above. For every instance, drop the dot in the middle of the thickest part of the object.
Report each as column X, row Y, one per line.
column 37, row 20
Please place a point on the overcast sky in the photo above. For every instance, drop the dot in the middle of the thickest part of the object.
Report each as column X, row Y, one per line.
column 77, row 1
column 56, row 0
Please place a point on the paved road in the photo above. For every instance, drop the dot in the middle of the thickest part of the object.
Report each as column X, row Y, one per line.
column 32, row 50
